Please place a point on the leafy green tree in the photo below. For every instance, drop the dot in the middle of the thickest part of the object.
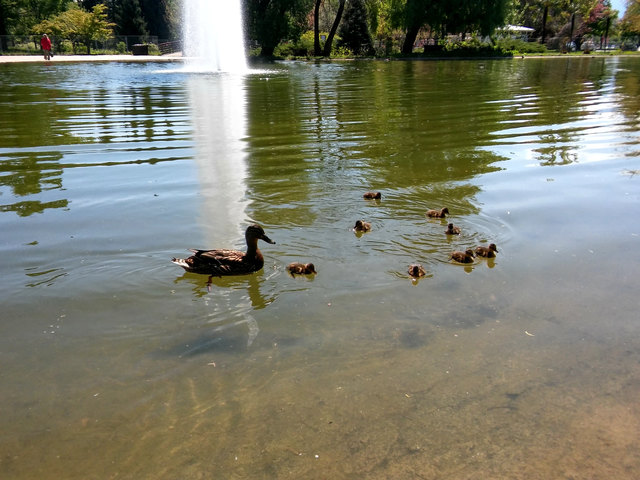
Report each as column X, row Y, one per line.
column 600, row 19
column 162, row 17
column 272, row 21
column 552, row 18
column 329, row 41
column 630, row 24
column 78, row 25
column 18, row 16
column 451, row 16
column 128, row 19
column 354, row 30
column 6, row 19
column 380, row 22
column 414, row 16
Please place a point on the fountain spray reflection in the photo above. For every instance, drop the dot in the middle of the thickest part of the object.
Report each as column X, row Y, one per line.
column 213, row 38
column 218, row 109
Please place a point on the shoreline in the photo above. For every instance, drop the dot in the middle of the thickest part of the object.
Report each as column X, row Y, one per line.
column 179, row 58
column 88, row 58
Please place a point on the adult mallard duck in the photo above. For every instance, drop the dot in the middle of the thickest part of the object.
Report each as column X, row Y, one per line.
column 452, row 230
column 488, row 252
column 362, row 226
column 373, row 195
column 463, row 257
column 296, row 268
column 228, row 262
column 417, row 270
column 443, row 212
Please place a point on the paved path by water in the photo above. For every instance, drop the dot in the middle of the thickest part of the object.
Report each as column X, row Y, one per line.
column 88, row 58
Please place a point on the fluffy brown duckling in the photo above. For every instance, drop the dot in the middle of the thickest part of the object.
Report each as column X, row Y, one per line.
column 297, row 268
column 438, row 213
column 463, row 257
column 452, row 230
column 488, row 252
column 416, row 270
column 362, row 226
column 373, row 195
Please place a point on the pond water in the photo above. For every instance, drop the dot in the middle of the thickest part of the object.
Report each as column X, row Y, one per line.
column 115, row 363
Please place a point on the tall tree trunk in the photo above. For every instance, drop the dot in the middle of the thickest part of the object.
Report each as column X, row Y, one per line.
column 334, row 29
column 316, row 29
column 573, row 24
column 3, row 29
column 410, row 39
column 545, row 14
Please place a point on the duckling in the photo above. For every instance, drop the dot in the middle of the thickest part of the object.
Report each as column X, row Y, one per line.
column 451, row 230
column 416, row 270
column 297, row 268
column 373, row 195
column 463, row 257
column 437, row 213
column 362, row 226
column 223, row 262
column 488, row 252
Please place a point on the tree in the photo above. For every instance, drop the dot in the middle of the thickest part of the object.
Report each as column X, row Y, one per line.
column 5, row 20
column 415, row 15
column 329, row 41
column 381, row 22
column 630, row 24
column 316, row 28
column 271, row 21
column 452, row 16
column 127, row 15
column 354, row 31
column 600, row 19
column 78, row 25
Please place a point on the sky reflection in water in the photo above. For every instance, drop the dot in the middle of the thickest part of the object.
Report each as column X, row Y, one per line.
column 518, row 367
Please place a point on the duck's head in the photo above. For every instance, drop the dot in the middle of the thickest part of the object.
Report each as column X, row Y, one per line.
column 492, row 246
column 256, row 232
column 415, row 270
column 359, row 224
column 469, row 253
column 310, row 268
column 444, row 210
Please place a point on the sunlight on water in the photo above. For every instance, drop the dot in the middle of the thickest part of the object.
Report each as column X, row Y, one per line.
column 520, row 366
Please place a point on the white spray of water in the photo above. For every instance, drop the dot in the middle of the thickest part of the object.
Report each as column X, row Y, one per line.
column 213, row 39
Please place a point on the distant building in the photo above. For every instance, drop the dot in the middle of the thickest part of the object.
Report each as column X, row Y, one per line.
column 516, row 31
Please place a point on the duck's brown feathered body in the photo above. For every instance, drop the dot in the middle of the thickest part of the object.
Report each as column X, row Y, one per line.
column 223, row 262
column 452, row 230
column 417, row 270
column 362, row 226
column 297, row 268
column 373, row 195
column 443, row 212
column 463, row 257
column 488, row 252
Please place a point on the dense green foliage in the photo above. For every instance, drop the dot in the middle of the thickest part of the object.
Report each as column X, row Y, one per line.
column 363, row 27
column 272, row 21
column 78, row 25
column 354, row 30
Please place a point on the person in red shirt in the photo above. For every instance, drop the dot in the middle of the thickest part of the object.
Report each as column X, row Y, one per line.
column 45, row 43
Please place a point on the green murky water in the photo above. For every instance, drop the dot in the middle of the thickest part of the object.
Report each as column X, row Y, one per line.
column 114, row 363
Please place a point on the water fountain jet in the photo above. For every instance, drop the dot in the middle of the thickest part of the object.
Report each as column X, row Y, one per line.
column 213, row 39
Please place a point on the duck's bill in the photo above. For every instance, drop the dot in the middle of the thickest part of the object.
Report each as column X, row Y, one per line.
column 267, row 239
